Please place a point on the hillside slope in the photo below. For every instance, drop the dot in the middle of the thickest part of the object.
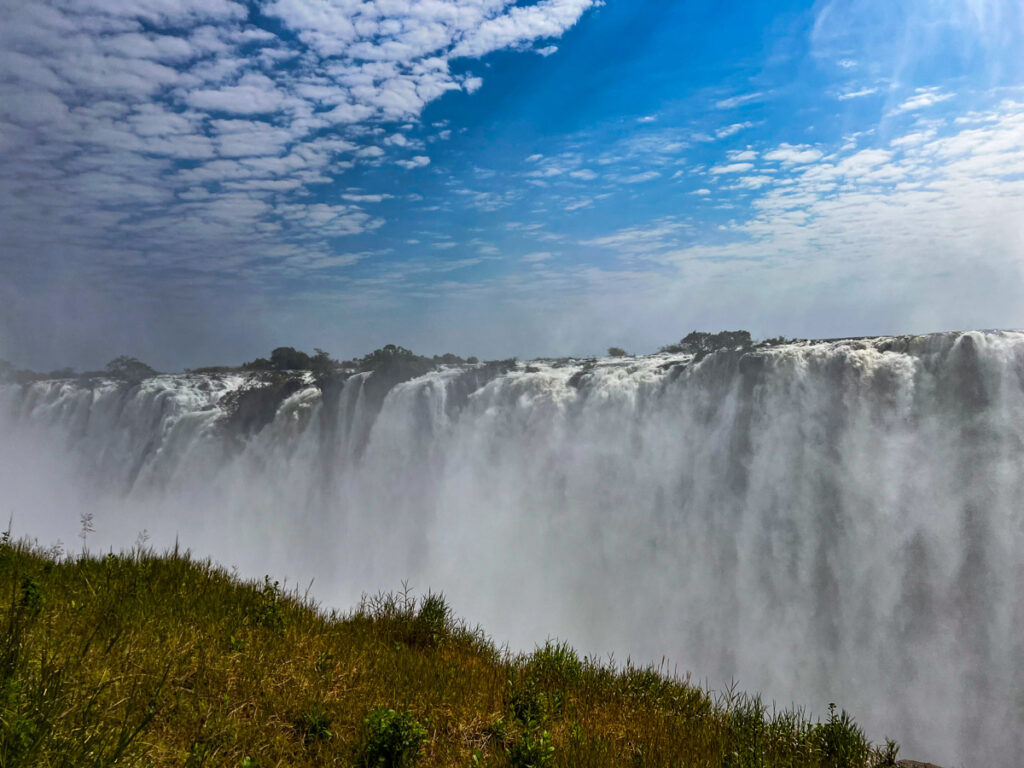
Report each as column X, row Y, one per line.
column 147, row 660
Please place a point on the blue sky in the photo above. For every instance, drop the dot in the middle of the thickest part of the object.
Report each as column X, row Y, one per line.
column 197, row 181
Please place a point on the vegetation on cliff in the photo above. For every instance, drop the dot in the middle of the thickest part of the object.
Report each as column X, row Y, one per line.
column 159, row 660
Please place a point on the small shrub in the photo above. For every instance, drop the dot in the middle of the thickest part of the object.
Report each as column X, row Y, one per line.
column 432, row 621
column 391, row 739
column 315, row 726
column 268, row 612
column 840, row 742
column 526, row 704
column 30, row 598
column 555, row 663
column 616, row 352
column 532, row 750
column 886, row 757
column 497, row 730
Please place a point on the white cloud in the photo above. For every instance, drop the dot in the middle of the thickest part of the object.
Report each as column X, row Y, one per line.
column 546, row 19
column 254, row 94
column 418, row 161
column 180, row 127
column 575, row 205
column 547, row 50
column 731, row 168
column 743, row 99
column 730, row 130
column 361, row 198
column 909, row 231
column 640, row 178
column 922, row 99
column 794, row 155
column 858, row 94
column 536, row 257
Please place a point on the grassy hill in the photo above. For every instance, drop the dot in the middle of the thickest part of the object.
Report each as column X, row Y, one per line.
column 158, row 660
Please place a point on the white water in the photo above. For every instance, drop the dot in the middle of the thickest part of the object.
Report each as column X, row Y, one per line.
column 822, row 522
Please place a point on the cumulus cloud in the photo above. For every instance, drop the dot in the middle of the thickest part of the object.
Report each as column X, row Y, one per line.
column 418, row 161
column 922, row 231
column 181, row 138
column 519, row 24
column 731, row 130
column 922, row 99
column 794, row 155
column 731, row 168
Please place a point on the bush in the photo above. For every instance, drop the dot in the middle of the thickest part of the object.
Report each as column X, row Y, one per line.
column 527, row 702
column 555, row 664
column 840, row 741
column 391, row 739
column 701, row 343
column 129, row 369
column 267, row 611
column 616, row 352
column 532, row 750
column 433, row 620
column 315, row 726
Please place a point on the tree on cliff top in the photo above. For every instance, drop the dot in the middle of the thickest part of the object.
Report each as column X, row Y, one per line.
column 129, row 369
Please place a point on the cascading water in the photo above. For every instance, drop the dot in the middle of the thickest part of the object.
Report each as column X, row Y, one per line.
column 839, row 521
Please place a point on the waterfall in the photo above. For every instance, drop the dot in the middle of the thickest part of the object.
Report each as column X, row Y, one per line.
column 819, row 521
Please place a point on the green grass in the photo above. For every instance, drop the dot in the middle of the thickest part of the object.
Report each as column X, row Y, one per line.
column 158, row 660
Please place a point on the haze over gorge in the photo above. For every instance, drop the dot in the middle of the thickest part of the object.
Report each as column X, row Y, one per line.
column 820, row 521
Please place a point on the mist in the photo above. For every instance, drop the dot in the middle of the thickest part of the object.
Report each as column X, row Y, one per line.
column 817, row 521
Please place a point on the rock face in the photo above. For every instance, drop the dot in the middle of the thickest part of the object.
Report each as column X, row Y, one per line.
column 914, row 764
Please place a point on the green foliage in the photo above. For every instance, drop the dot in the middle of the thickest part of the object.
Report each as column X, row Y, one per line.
column 888, row 754
column 433, row 619
column 197, row 755
column 315, row 725
column 289, row 359
column 147, row 660
column 840, row 741
column 555, row 664
column 129, row 369
column 423, row 623
column 391, row 739
column 259, row 364
column 267, row 611
column 529, row 703
column 386, row 355
column 702, row 343
column 532, row 750
column 30, row 599
column 616, row 352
